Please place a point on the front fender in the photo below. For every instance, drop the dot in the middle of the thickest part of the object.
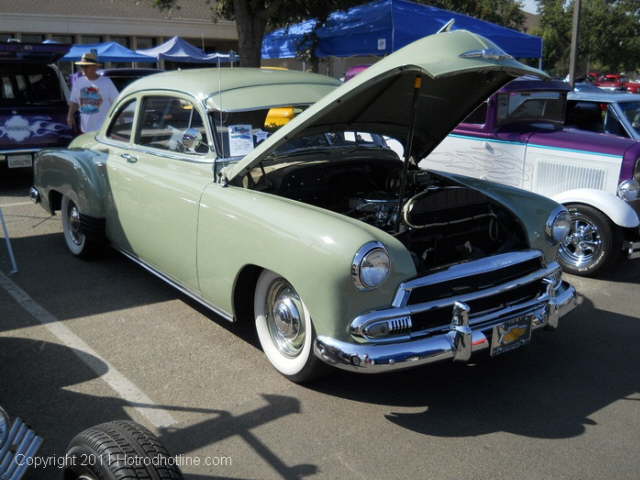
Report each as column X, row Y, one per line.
column 618, row 211
column 311, row 247
column 78, row 174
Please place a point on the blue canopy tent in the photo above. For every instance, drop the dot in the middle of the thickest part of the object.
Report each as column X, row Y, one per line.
column 107, row 52
column 384, row 26
column 179, row 50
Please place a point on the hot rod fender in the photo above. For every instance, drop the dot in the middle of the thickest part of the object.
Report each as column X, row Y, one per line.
column 619, row 211
column 78, row 174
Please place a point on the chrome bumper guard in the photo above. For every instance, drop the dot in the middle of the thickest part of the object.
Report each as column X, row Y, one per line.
column 16, row 453
column 457, row 341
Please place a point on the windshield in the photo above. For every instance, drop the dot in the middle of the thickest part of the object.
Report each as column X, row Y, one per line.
column 631, row 110
column 518, row 107
column 37, row 85
column 238, row 133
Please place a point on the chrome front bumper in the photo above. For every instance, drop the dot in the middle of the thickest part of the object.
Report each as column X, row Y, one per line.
column 458, row 343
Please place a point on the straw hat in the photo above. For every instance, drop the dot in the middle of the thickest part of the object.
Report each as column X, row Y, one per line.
column 88, row 58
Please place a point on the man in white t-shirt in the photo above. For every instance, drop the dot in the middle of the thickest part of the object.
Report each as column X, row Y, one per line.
column 91, row 95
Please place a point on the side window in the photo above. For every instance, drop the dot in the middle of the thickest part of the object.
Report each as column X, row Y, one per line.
column 612, row 125
column 478, row 116
column 122, row 124
column 172, row 124
column 585, row 116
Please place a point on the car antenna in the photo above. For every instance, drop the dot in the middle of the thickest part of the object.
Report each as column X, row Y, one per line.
column 417, row 85
column 447, row 27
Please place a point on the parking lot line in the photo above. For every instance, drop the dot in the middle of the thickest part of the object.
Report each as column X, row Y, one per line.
column 124, row 387
column 16, row 204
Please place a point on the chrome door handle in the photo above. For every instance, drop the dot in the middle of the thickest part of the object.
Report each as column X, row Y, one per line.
column 129, row 158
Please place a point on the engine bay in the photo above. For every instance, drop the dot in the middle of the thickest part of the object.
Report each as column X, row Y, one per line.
column 439, row 221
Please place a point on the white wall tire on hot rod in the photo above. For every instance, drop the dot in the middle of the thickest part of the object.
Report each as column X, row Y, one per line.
column 284, row 328
column 593, row 245
column 78, row 242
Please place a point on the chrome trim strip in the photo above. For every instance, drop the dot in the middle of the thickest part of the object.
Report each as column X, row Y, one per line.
column 23, row 150
column 632, row 250
column 378, row 358
column 461, row 270
column 177, row 286
column 362, row 321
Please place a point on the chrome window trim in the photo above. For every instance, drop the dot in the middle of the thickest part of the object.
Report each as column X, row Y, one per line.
column 194, row 296
column 22, row 150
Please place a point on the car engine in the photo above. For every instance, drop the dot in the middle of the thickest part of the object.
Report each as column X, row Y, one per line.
column 439, row 221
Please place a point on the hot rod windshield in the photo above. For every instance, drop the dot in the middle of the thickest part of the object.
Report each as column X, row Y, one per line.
column 533, row 106
column 632, row 112
column 238, row 133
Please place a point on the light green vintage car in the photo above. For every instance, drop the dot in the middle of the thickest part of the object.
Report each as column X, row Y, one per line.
column 322, row 231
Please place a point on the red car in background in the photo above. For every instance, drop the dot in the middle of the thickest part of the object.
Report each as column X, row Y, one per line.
column 612, row 81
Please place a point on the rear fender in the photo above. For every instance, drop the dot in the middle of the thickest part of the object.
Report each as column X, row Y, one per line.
column 618, row 211
column 78, row 174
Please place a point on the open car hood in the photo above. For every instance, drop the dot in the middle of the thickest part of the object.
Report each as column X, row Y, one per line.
column 458, row 71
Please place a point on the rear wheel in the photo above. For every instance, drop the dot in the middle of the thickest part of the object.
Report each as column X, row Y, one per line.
column 79, row 243
column 284, row 328
column 593, row 243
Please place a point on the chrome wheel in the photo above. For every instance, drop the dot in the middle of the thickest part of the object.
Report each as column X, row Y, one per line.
column 285, row 318
column 74, row 224
column 584, row 244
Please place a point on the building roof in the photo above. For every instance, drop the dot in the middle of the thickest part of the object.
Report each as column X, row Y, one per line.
column 190, row 9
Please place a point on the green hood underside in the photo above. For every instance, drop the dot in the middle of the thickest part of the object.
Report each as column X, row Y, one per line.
column 379, row 99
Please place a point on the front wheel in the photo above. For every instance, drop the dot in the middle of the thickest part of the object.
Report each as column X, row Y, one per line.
column 118, row 450
column 284, row 328
column 593, row 243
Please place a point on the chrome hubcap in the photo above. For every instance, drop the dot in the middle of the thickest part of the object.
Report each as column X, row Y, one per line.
column 285, row 318
column 583, row 245
column 85, row 477
column 74, row 225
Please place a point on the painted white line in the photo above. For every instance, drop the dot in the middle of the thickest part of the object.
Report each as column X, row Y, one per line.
column 17, row 204
column 127, row 390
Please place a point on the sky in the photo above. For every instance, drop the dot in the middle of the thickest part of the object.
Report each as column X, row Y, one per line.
column 530, row 6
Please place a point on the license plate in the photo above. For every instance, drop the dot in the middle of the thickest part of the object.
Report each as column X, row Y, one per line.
column 512, row 334
column 20, row 161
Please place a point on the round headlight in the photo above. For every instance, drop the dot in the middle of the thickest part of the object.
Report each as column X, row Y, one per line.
column 559, row 225
column 629, row 190
column 371, row 266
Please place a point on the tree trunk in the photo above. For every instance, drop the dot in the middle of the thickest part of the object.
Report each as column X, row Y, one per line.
column 251, row 26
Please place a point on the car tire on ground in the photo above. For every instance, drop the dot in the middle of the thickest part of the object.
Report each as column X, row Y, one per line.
column 118, row 450
column 593, row 244
column 79, row 243
column 285, row 330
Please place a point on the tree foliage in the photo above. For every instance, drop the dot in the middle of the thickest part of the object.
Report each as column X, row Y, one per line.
column 609, row 35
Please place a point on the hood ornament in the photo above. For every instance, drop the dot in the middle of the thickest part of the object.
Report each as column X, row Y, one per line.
column 489, row 53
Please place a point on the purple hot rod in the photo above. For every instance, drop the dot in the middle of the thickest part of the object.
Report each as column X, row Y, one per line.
column 519, row 137
column 33, row 102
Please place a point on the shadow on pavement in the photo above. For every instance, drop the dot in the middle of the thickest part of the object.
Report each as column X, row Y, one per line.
column 42, row 383
column 548, row 389
column 15, row 183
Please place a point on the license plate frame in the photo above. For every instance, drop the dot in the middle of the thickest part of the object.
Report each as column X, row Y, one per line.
column 20, row 160
column 513, row 333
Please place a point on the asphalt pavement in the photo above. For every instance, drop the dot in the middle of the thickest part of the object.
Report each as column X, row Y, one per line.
column 87, row 342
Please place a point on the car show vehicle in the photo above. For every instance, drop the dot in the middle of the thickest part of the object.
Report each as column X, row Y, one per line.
column 121, row 77
column 605, row 112
column 519, row 138
column 612, row 81
column 115, row 450
column 340, row 251
column 33, row 102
